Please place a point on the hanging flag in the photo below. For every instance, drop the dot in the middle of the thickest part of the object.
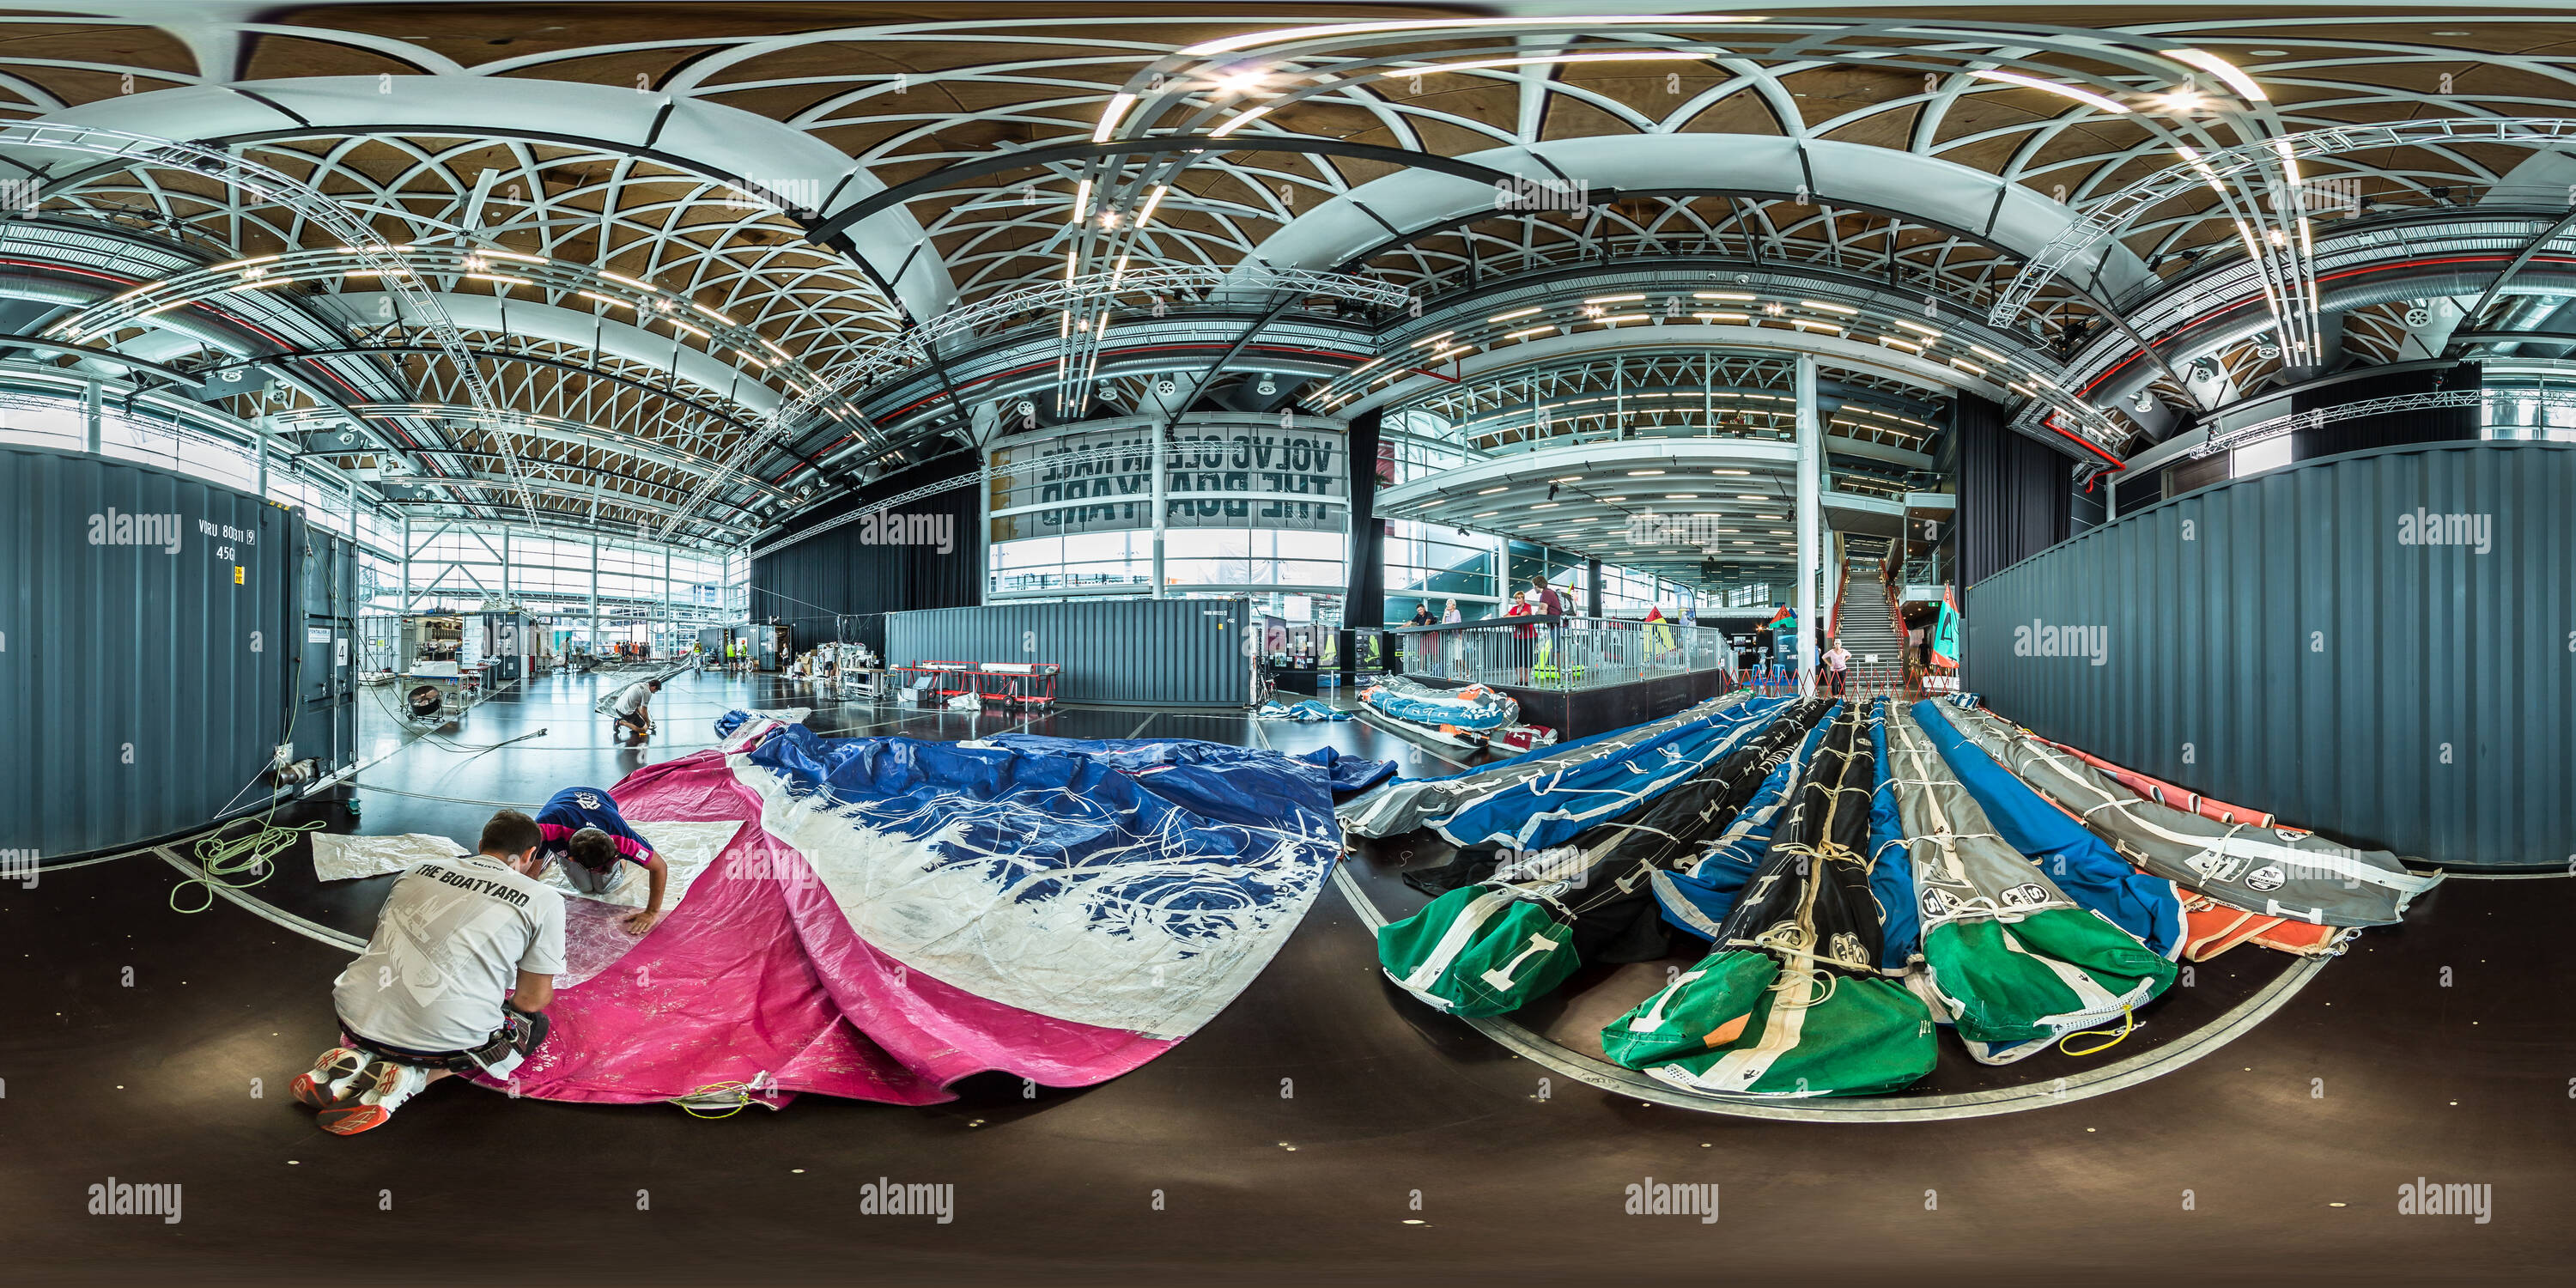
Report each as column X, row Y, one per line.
column 1945, row 633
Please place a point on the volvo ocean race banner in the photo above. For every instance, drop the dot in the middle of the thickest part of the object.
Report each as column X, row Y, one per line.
column 1257, row 475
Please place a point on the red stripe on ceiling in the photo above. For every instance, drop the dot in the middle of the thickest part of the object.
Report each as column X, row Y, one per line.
column 2224, row 309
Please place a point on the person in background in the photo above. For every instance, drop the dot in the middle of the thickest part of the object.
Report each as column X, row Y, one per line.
column 1524, row 637
column 634, row 709
column 1547, row 601
column 456, row 979
column 585, row 832
column 1836, row 664
column 1451, row 613
column 1421, row 614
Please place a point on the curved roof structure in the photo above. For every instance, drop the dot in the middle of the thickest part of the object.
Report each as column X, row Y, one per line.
column 694, row 273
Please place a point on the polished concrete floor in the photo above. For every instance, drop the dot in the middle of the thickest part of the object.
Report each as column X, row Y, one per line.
column 1325, row 1127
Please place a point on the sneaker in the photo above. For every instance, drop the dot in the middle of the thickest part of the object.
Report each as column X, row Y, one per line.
column 332, row 1079
column 384, row 1087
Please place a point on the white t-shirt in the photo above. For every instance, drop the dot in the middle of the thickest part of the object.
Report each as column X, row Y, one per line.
column 1837, row 658
column 634, row 698
column 450, row 944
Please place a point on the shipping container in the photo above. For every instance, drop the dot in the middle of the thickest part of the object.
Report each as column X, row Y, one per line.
column 1125, row 652
column 160, row 637
column 2380, row 646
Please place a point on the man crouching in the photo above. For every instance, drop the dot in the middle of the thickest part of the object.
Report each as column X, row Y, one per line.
column 456, row 979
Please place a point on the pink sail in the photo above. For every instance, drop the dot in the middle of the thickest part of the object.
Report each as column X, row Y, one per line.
column 756, row 978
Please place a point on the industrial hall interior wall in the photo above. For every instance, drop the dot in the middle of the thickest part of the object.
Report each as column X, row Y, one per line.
column 2015, row 499
column 160, row 637
column 851, row 572
column 2293, row 639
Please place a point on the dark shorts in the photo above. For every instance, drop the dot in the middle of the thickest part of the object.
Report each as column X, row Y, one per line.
column 521, row 1032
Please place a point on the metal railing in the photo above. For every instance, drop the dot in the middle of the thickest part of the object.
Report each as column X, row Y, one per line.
column 1561, row 653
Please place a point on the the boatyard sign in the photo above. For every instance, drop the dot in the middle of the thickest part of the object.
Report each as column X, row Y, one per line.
column 1219, row 476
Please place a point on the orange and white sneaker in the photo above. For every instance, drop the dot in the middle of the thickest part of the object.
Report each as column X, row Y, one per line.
column 332, row 1078
column 382, row 1089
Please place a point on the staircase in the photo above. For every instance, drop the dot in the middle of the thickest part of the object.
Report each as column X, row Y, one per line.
column 1867, row 629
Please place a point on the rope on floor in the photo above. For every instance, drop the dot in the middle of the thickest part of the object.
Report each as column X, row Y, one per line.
column 219, row 860
column 2128, row 1025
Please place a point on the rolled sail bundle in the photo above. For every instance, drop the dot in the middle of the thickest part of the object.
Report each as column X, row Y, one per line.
column 2078, row 862
column 1491, row 948
column 1475, row 708
column 1697, row 901
column 2166, row 794
column 1791, row 1003
column 2275, row 871
column 1541, row 799
column 1698, row 898
column 2007, row 956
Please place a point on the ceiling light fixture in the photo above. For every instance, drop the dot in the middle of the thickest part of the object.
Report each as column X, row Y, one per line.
column 2084, row 96
column 2224, row 70
column 1239, row 120
column 1110, row 116
column 1230, row 44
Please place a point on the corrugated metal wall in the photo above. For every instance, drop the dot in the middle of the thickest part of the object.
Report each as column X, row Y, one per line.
column 2271, row 641
column 867, row 567
column 1132, row 652
column 145, row 687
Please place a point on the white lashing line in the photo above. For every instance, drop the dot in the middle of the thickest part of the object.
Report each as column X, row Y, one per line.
column 271, row 186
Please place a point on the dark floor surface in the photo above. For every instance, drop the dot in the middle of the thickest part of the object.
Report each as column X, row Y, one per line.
column 1325, row 1127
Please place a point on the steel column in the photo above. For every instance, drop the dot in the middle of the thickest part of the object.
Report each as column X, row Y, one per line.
column 1811, row 514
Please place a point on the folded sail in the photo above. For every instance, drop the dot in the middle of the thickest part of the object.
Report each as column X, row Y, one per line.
column 2007, row 956
column 2275, row 871
column 1491, row 948
column 2080, row 863
column 1791, row 1003
column 1541, row 799
column 1697, row 900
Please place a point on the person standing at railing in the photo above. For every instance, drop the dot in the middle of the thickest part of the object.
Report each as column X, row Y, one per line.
column 1547, row 602
column 1453, row 644
column 1429, row 645
column 1524, row 637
